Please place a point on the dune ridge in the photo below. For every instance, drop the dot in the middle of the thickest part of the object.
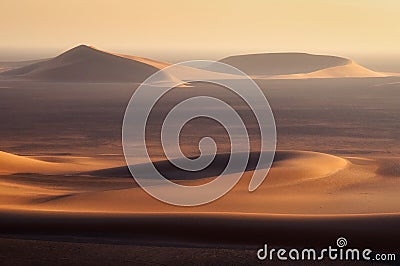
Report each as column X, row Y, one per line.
column 291, row 170
column 350, row 70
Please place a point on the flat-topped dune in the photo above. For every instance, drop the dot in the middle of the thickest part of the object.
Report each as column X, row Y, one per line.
column 282, row 63
column 298, row 66
column 87, row 64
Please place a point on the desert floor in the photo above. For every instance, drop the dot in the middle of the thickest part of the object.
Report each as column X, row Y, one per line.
column 65, row 190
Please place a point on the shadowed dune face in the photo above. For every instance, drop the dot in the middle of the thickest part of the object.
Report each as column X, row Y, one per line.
column 284, row 160
column 389, row 167
column 87, row 64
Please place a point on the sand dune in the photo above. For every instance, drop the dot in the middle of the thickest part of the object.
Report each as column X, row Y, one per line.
column 294, row 174
column 151, row 62
column 298, row 66
column 282, row 63
column 13, row 164
column 308, row 192
column 287, row 165
column 298, row 183
column 10, row 163
column 349, row 70
column 306, row 195
column 5, row 66
column 87, row 64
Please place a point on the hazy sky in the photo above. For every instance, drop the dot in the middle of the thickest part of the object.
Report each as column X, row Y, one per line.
column 176, row 29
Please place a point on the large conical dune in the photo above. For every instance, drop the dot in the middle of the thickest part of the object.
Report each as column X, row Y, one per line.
column 87, row 64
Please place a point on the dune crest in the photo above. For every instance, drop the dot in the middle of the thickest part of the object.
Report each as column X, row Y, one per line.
column 350, row 70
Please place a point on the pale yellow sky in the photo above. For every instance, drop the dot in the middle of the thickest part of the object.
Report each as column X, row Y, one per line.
column 198, row 29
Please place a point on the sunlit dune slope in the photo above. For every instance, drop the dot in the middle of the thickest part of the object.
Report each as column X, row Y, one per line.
column 14, row 164
column 10, row 163
column 350, row 70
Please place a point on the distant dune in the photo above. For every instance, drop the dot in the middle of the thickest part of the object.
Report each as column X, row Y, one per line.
column 282, row 63
column 10, row 163
column 4, row 66
column 298, row 66
column 13, row 164
column 87, row 64
column 350, row 70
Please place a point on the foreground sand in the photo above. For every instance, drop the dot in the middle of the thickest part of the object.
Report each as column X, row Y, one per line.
column 298, row 183
column 308, row 199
